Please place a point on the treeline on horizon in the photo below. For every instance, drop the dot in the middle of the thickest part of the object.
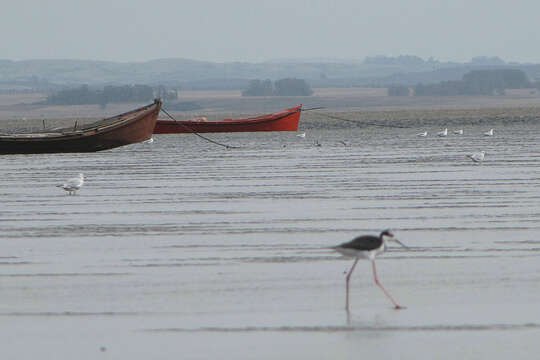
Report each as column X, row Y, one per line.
column 84, row 95
column 51, row 76
column 476, row 82
column 282, row 87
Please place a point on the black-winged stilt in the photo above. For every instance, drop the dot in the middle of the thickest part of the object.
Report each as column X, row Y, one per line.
column 367, row 246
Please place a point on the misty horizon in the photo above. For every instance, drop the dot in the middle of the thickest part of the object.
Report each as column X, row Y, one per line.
column 474, row 59
column 244, row 31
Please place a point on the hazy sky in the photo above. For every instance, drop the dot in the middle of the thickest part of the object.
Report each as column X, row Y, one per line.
column 252, row 30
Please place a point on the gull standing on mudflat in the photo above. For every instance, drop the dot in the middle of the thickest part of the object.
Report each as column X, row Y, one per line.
column 478, row 156
column 443, row 133
column 73, row 184
column 489, row 133
column 367, row 246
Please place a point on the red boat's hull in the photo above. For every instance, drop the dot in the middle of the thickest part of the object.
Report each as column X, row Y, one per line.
column 286, row 120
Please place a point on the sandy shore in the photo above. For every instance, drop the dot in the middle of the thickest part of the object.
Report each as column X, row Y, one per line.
column 183, row 249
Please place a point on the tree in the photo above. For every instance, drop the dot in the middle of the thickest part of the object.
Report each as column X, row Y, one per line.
column 477, row 82
column 166, row 94
column 398, row 90
column 292, row 87
column 259, row 88
column 109, row 94
column 282, row 87
column 485, row 82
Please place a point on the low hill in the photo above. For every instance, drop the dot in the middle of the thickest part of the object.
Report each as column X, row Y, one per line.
column 197, row 75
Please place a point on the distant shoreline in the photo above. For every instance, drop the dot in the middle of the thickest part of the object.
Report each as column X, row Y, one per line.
column 358, row 104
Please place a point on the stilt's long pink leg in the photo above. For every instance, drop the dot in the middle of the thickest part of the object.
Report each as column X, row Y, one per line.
column 396, row 306
column 347, row 284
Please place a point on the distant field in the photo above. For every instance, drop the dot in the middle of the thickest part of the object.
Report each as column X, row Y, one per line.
column 11, row 99
column 205, row 94
column 322, row 92
column 17, row 111
column 349, row 92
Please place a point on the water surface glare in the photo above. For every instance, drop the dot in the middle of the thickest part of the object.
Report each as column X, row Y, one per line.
column 182, row 249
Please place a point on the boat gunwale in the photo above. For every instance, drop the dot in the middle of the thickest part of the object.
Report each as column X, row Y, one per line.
column 117, row 121
column 246, row 121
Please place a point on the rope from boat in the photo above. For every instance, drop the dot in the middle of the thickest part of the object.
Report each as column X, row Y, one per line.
column 361, row 122
column 196, row 133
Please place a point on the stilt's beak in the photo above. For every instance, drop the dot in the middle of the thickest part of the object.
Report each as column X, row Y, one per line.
column 400, row 243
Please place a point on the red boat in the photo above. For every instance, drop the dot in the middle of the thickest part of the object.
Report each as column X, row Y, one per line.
column 286, row 120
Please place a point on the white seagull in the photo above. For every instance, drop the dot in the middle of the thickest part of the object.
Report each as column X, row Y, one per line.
column 422, row 134
column 302, row 135
column 73, row 184
column 443, row 133
column 458, row 132
column 489, row 133
column 478, row 156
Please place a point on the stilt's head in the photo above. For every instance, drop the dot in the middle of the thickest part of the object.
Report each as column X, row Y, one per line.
column 388, row 235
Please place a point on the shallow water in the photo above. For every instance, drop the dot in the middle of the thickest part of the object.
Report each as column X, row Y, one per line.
column 182, row 249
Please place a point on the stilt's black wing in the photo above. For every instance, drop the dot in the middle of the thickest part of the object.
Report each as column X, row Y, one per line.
column 363, row 243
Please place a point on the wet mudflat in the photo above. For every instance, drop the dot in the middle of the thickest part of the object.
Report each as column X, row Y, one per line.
column 181, row 249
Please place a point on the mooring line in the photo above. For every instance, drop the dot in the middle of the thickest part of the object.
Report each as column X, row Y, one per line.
column 196, row 133
column 361, row 122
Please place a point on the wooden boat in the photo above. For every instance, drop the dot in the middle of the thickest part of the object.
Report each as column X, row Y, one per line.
column 127, row 128
column 286, row 120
